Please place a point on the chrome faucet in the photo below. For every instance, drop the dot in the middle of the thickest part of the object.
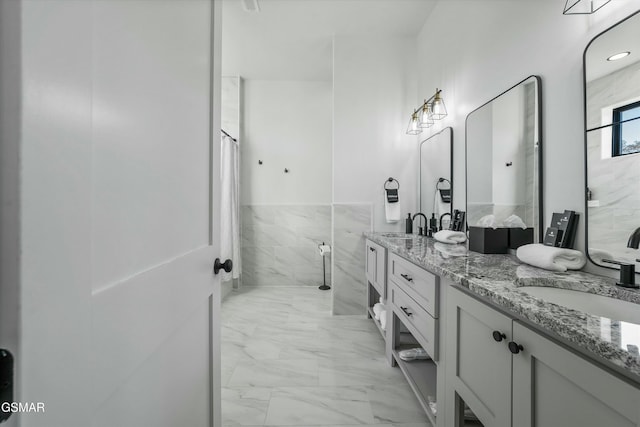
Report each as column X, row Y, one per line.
column 628, row 270
column 421, row 230
column 442, row 216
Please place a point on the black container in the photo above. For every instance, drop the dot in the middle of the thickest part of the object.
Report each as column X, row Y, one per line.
column 408, row 225
column 519, row 237
column 489, row 240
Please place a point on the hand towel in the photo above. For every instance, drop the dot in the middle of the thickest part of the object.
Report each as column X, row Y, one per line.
column 392, row 209
column 449, row 236
column 550, row 257
column 383, row 320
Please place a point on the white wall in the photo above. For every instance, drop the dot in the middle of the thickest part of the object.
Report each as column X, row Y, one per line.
column 287, row 124
column 487, row 47
column 374, row 95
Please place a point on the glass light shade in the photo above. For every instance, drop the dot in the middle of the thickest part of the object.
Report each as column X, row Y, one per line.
column 438, row 109
column 426, row 120
column 414, row 125
column 583, row 7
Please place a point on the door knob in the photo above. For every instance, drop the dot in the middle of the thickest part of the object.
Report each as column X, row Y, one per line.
column 226, row 266
column 498, row 336
column 515, row 348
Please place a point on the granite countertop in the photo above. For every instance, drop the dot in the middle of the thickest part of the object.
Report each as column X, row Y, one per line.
column 499, row 279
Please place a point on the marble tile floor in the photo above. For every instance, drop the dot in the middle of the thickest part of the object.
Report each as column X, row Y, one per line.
column 287, row 362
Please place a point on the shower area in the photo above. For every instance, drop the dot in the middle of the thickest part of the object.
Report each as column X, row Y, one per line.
column 276, row 179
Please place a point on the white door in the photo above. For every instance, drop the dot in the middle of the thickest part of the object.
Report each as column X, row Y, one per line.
column 118, row 191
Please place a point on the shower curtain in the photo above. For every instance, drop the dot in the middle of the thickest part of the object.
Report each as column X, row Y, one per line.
column 230, row 212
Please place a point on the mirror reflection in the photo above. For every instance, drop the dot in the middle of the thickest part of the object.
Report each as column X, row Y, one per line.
column 612, row 96
column 435, row 175
column 503, row 157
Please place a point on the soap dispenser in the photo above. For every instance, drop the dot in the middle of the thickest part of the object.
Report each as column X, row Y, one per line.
column 408, row 225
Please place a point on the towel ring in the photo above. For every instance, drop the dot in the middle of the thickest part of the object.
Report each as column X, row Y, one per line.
column 390, row 179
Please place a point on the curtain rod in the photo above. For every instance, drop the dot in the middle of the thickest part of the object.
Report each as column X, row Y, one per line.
column 223, row 131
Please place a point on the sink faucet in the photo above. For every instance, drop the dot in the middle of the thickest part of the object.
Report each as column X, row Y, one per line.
column 634, row 239
column 627, row 273
column 420, row 229
column 442, row 216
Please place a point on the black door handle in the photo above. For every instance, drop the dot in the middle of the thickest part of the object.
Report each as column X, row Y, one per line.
column 406, row 277
column 515, row 348
column 226, row 266
column 498, row 336
column 406, row 311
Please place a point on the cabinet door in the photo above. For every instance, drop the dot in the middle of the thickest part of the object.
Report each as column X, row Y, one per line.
column 372, row 262
column 482, row 374
column 554, row 387
column 381, row 271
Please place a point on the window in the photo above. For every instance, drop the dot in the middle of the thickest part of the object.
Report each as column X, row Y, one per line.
column 626, row 129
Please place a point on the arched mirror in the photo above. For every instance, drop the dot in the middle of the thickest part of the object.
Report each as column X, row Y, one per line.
column 612, row 143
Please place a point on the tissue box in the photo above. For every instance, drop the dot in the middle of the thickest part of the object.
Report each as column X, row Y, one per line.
column 489, row 240
column 519, row 237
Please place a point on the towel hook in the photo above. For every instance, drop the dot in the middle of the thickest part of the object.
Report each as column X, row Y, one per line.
column 390, row 179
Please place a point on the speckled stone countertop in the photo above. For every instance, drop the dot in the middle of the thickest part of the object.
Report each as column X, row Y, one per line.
column 499, row 279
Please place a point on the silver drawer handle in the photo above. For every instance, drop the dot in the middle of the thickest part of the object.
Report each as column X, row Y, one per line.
column 407, row 277
column 406, row 311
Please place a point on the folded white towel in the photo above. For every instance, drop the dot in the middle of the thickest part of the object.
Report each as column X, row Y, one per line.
column 377, row 309
column 383, row 320
column 449, row 236
column 551, row 258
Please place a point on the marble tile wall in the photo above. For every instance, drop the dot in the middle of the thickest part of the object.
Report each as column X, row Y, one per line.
column 531, row 208
column 612, row 180
column 280, row 244
column 349, row 286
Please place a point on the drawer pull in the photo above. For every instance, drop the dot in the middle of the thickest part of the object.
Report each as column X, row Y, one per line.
column 498, row 336
column 372, row 249
column 515, row 348
column 407, row 277
column 406, row 311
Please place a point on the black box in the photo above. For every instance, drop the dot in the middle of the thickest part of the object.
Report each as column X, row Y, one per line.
column 553, row 237
column 489, row 240
column 567, row 224
column 520, row 237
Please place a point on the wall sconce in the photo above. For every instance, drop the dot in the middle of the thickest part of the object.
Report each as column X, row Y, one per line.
column 424, row 116
column 414, row 124
column 583, row 7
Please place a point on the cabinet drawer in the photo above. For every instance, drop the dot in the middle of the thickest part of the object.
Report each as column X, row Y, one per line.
column 420, row 323
column 418, row 283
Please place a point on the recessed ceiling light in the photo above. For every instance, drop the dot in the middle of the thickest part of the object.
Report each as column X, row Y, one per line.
column 250, row 5
column 618, row 56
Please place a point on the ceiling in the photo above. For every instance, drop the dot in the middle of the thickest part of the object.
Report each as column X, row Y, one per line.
column 292, row 39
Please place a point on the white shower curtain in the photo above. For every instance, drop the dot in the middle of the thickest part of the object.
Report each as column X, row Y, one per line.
column 230, row 212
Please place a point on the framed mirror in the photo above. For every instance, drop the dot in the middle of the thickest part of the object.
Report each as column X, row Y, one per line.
column 436, row 177
column 504, row 157
column 612, row 142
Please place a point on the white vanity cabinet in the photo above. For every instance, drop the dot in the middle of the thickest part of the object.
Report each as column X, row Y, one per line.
column 376, row 275
column 553, row 386
column 376, row 267
column 510, row 375
column 414, row 300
